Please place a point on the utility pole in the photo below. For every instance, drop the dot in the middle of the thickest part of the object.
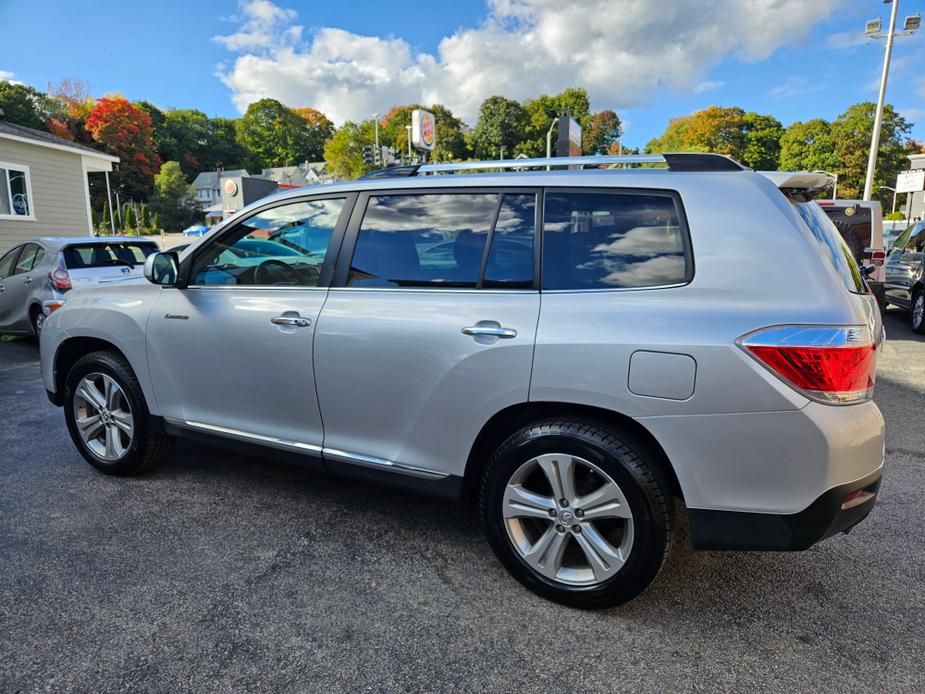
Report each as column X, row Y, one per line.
column 378, row 153
column 549, row 140
column 878, row 118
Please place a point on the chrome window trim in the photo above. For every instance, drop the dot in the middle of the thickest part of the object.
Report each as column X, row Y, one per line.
column 258, row 287
column 432, row 290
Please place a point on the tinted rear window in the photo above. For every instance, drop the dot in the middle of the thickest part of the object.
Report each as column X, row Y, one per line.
column 832, row 247
column 604, row 240
column 90, row 255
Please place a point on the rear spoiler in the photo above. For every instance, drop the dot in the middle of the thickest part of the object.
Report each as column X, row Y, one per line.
column 800, row 186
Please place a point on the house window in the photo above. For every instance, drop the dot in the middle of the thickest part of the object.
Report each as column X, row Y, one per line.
column 15, row 192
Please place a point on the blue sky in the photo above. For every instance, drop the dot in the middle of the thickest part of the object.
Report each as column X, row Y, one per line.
column 650, row 60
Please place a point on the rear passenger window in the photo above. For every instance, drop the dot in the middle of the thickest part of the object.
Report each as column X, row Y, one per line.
column 832, row 246
column 598, row 240
column 440, row 240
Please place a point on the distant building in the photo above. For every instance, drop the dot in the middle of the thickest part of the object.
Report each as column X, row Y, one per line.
column 304, row 174
column 208, row 185
column 44, row 189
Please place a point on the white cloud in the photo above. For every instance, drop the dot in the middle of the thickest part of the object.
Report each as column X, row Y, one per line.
column 795, row 85
column 846, row 39
column 620, row 50
column 707, row 86
column 7, row 76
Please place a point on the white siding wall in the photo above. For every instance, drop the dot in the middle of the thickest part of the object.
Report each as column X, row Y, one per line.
column 59, row 187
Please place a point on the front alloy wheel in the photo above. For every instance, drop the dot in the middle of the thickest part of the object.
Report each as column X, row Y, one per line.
column 918, row 312
column 103, row 416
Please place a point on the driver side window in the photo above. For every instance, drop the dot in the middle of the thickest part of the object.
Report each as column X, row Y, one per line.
column 284, row 246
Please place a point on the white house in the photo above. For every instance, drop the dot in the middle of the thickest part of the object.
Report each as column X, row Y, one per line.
column 44, row 189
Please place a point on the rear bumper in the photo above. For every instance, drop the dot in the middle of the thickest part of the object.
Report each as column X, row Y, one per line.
column 831, row 513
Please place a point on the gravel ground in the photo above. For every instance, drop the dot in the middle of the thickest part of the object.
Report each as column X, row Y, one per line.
column 219, row 572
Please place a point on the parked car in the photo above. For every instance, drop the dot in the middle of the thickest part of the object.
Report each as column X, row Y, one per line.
column 860, row 222
column 642, row 334
column 905, row 274
column 35, row 276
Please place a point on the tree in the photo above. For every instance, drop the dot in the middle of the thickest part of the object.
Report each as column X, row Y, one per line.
column 851, row 137
column 130, row 222
column 344, row 151
column 450, row 140
column 156, row 223
column 279, row 136
column 714, row 129
column 605, row 131
column 173, row 199
column 106, row 225
column 224, row 150
column 25, row 106
column 145, row 223
column 808, row 147
column 126, row 132
column 501, row 123
column 73, row 104
column 544, row 109
column 762, row 141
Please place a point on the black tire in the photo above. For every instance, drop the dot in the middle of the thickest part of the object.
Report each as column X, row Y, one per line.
column 147, row 447
column 37, row 320
column 919, row 327
column 628, row 463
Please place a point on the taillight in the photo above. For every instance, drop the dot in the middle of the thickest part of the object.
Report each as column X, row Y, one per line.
column 877, row 258
column 830, row 364
column 60, row 279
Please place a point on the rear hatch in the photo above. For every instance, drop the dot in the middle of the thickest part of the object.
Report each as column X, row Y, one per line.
column 92, row 263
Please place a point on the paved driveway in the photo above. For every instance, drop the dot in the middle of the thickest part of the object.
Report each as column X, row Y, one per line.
column 219, row 572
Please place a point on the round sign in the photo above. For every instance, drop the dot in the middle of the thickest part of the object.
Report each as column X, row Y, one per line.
column 231, row 187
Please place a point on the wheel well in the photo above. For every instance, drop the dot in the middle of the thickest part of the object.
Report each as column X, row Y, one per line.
column 33, row 310
column 509, row 420
column 73, row 349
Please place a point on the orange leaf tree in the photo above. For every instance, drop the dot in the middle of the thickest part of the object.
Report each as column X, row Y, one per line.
column 125, row 131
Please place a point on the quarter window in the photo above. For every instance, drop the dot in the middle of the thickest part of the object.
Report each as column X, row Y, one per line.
column 15, row 192
column 30, row 256
column 6, row 263
column 445, row 240
column 612, row 240
column 283, row 246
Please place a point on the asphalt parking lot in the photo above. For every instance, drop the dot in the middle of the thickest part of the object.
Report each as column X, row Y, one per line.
column 220, row 572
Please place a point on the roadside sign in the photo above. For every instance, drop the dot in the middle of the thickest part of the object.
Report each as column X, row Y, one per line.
column 423, row 129
column 910, row 181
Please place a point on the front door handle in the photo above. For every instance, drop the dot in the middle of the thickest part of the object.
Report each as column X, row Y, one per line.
column 490, row 329
column 292, row 321
column 28, row 280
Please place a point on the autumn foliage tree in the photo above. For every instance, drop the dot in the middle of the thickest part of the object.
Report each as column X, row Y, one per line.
column 125, row 131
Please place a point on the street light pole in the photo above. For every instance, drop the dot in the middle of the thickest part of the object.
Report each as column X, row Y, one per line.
column 408, row 128
column 377, row 154
column 894, row 195
column 549, row 141
column 878, row 118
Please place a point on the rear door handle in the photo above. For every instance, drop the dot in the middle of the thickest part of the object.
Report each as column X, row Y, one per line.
column 292, row 321
column 490, row 331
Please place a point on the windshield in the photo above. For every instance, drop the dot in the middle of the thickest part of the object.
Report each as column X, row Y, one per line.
column 832, row 247
column 91, row 255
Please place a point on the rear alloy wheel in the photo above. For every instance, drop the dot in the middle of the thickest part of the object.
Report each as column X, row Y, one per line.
column 586, row 507
column 107, row 416
column 38, row 320
column 577, row 513
column 918, row 312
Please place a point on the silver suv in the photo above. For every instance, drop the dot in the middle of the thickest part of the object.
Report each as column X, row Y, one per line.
column 574, row 348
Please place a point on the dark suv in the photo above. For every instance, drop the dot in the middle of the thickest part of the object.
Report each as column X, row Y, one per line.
column 904, row 274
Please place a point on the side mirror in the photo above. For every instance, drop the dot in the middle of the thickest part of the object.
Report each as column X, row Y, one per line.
column 868, row 270
column 162, row 268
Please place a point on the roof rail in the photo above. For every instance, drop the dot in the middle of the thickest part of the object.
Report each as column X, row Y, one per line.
column 684, row 161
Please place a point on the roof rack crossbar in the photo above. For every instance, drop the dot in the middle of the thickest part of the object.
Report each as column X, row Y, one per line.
column 692, row 161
